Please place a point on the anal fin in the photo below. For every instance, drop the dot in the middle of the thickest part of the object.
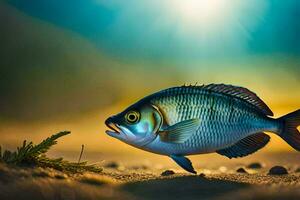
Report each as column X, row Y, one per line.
column 246, row 146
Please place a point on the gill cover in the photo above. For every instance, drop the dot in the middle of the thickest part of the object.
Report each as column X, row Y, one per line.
column 158, row 119
column 154, row 118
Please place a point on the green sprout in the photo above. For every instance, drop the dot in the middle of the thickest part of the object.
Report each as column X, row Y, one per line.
column 35, row 155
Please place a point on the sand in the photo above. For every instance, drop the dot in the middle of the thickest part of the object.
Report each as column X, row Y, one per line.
column 126, row 178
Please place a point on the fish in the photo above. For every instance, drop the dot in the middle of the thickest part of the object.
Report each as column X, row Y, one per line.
column 199, row 119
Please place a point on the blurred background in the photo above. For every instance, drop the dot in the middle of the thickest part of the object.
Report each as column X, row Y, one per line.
column 68, row 65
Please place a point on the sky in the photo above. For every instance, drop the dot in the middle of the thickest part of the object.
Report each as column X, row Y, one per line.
column 70, row 64
column 174, row 28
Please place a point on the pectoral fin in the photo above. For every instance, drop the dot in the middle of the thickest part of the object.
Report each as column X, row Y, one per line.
column 180, row 132
column 184, row 162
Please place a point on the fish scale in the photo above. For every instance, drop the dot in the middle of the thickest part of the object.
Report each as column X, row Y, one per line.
column 224, row 120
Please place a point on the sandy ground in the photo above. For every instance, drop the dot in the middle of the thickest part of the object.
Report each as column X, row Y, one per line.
column 133, row 178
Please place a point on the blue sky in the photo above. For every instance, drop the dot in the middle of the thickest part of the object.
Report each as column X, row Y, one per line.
column 150, row 30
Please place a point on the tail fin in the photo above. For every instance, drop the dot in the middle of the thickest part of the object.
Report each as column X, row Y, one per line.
column 289, row 130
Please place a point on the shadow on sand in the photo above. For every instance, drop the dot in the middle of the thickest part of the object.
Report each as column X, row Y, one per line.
column 188, row 187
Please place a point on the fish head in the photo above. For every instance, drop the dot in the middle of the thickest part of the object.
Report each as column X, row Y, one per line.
column 137, row 125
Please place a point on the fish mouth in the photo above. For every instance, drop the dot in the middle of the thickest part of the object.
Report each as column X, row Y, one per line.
column 114, row 128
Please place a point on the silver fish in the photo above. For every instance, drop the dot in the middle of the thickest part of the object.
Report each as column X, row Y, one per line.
column 189, row 120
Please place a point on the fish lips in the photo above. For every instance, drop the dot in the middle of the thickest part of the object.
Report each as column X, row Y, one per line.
column 114, row 127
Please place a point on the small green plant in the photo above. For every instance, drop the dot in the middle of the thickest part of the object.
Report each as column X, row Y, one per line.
column 34, row 155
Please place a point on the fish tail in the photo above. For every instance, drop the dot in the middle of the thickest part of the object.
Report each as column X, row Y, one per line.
column 288, row 130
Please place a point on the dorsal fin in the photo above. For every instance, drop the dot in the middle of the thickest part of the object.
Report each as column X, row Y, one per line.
column 241, row 93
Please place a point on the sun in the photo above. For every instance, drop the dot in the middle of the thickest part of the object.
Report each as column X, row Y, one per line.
column 195, row 27
column 206, row 21
column 201, row 11
column 210, row 24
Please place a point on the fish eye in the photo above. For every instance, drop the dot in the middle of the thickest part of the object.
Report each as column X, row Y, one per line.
column 132, row 117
